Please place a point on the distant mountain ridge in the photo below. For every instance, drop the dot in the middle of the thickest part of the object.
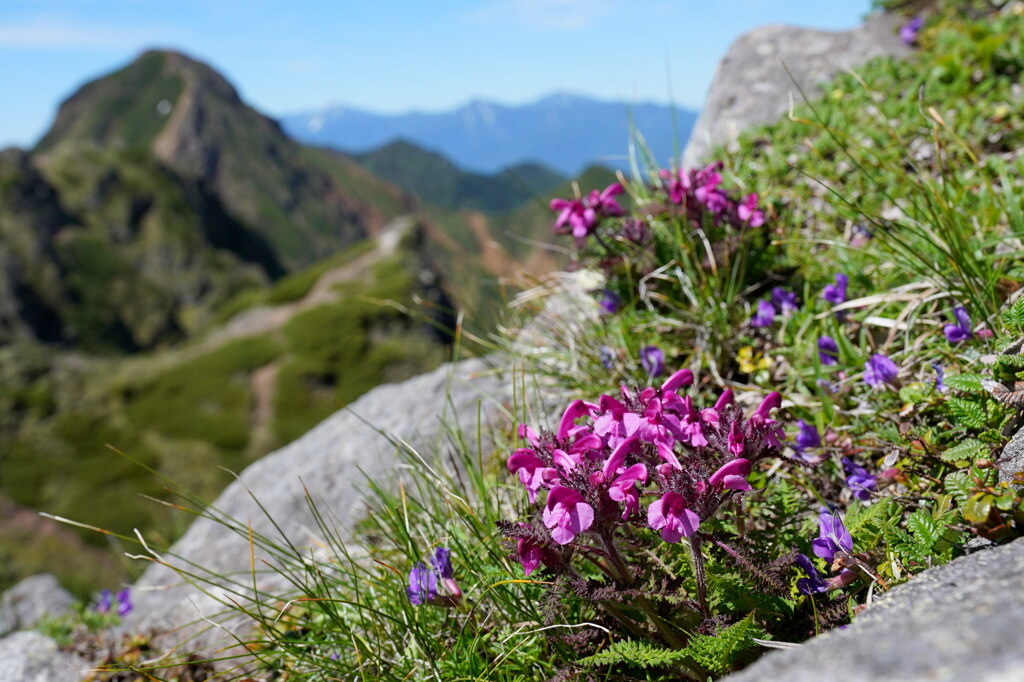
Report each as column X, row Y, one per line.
column 564, row 132
column 435, row 180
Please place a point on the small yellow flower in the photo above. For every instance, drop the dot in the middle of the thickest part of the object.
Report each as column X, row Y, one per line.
column 837, row 94
column 750, row 361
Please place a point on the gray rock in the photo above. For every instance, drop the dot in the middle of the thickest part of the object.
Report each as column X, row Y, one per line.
column 332, row 462
column 751, row 86
column 961, row 621
column 22, row 606
column 32, row 657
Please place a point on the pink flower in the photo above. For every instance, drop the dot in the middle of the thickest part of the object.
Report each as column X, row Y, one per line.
column 533, row 472
column 724, row 400
column 749, row 213
column 682, row 378
column 623, row 489
column 530, row 555
column 604, row 202
column 732, row 476
column 736, row 440
column 671, row 516
column 573, row 213
column 566, row 514
column 576, row 409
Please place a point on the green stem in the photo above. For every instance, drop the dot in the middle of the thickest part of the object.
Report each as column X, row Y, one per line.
column 700, row 575
column 645, row 604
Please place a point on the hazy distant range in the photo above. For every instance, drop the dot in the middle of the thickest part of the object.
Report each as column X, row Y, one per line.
column 564, row 132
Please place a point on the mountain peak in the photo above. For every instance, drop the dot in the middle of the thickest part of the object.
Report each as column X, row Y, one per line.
column 132, row 106
column 181, row 112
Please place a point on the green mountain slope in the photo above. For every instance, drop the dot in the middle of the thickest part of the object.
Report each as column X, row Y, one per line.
column 437, row 181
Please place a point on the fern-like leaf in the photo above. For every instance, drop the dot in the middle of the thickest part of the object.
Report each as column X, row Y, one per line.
column 964, row 382
column 967, row 450
column 636, row 654
column 968, row 413
column 719, row 652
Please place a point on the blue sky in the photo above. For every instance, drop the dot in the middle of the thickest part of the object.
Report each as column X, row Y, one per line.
column 388, row 55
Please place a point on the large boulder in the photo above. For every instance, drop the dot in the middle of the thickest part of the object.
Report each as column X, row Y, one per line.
column 752, row 85
column 25, row 604
column 32, row 657
column 961, row 621
column 332, row 464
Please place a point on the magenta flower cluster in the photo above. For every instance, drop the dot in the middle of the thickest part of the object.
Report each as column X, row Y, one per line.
column 648, row 457
column 699, row 191
column 582, row 216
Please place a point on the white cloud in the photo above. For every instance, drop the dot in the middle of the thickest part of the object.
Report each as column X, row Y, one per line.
column 60, row 30
column 542, row 15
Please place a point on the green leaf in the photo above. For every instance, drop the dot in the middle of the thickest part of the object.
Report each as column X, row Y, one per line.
column 718, row 652
column 969, row 413
column 925, row 530
column 964, row 382
column 1011, row 362
column 959, row 485
column 915, row 393
column 1014, row 316
column 978, row 508
column 637, row 654
column 968, row 450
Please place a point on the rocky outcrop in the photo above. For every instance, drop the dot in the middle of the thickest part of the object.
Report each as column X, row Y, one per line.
column 752, row 85
column 332, row 464
column 32, row 657
column 25, row 604
column 961, row 621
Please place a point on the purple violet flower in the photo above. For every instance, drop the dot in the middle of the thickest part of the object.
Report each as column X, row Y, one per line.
column 836, row 293
column 610, row 302
column 807, row 436
column 909, row 30
column 765, row 315
column 833, row 538
column 784, row 300
column 940, row 376
column 814, row 583
column 422, row 584
column 828, row 350
column 880, row 370
column 607, row 356
column 652, row 360
column 442, row 562
column 859, row 480
column 961, row 331
column 104, row 603
column 124, row 602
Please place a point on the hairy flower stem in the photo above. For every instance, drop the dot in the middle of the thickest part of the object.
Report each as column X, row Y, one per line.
column 663, row 626
column 700, row 575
